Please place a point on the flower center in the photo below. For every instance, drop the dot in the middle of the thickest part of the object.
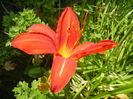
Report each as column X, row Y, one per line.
column 65, row 52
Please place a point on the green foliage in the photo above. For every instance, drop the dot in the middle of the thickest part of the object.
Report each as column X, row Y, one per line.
column 102, row 76
column 14, row 24
column 18, row 23
column 23, row 91
column 35, row 69
column 97, row 76
column 14, row 64
column 126, row 88
column 36, row 90
column 43, row 8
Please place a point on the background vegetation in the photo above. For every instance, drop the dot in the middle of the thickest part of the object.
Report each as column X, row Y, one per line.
column 97, row 76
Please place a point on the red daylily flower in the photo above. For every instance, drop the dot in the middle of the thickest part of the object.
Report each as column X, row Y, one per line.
column 40, row 39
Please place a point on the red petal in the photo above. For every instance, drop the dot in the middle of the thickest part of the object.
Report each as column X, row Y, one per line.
column 91, row 48
column 68, row 28
column 62, row 71
column 34, row 43
column 43, row 29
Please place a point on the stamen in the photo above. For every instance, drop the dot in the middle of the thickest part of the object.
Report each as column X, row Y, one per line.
column 84, row 23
